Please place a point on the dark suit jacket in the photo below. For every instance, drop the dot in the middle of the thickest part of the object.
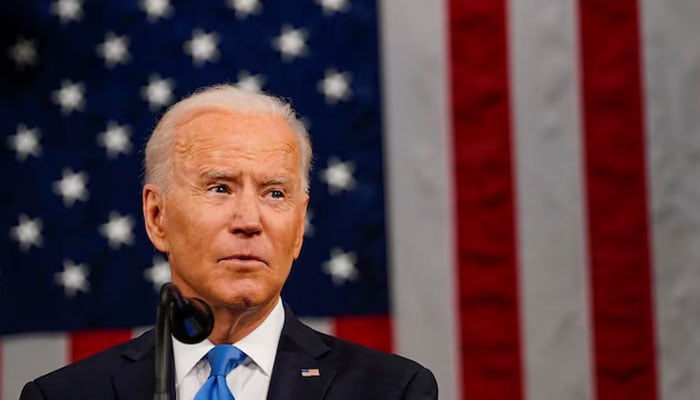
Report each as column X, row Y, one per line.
column 347, row 371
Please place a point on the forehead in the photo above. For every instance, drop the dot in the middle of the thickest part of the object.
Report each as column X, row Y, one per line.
column 217, row 132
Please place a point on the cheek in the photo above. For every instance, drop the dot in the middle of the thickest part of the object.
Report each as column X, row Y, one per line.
column 289, row 244
column 188, row 228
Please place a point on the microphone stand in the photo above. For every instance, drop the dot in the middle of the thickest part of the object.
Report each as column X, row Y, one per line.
column 164, row 345
column 189, row 320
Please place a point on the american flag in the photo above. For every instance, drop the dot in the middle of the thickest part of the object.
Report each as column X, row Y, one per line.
column 310, row 372
column 504, row 190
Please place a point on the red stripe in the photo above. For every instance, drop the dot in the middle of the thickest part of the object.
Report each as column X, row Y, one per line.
column 86, row 343
column 625, row 362
column 373, row 331
column 487, row 274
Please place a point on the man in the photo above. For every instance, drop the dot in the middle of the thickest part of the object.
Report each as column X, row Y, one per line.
column 225, row 197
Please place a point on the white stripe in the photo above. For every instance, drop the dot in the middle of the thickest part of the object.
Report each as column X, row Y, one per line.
column 552, row 227
column 671, row 54
column 324, row 325
column 140, row 330
column 419, row 185
column 28, row 356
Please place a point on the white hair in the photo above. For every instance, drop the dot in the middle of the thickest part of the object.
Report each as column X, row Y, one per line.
column 158, row 162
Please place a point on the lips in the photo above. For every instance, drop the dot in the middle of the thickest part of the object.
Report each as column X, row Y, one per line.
column 244, row 258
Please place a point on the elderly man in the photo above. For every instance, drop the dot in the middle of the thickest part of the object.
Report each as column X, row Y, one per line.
column 227, row 182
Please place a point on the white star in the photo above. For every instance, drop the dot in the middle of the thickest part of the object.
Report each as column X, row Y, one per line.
column 308, row 227
column 27, row 232
column 114, row 49
column 252, row 83
column 158, row 92
column 115, row 139
column 72, row 187
column 25, row 142
column 71, row 96
column 338, row 175
column 333, row 6
column 290, row 43
column 245, row 8
column 156, row 9
column 118, row 230
column 24, row 53
column 159, row 273
column 335, row 86
column 341, row 266
column 73, row 278
column 67, row 10
column 202, row 47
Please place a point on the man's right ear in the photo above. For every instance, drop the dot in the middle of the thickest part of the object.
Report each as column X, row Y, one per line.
column 153, row 203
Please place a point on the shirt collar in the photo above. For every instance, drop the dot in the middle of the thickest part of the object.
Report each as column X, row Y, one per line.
column 260, row 346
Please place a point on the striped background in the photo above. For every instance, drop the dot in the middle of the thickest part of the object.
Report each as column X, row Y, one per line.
column 543, row 172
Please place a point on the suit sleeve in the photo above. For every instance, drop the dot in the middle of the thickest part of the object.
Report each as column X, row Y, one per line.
column 422, row 386
column 31, row 392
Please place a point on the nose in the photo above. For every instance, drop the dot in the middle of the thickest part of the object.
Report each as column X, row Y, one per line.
column 246, row 214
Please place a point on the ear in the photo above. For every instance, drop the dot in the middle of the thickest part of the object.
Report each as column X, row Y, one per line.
column 153, row 207
column 300, row 230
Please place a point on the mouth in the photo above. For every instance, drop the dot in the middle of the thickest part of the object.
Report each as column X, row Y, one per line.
column 243, row 259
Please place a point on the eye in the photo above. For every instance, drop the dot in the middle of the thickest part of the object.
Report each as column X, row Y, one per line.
column 220, row 189
column 276, row 194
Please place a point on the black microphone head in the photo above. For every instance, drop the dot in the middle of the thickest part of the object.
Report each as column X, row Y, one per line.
column 191, row 321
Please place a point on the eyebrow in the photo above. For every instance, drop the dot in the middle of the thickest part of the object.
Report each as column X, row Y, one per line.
column 226, row 176
column 277, row 181
column 218, row 175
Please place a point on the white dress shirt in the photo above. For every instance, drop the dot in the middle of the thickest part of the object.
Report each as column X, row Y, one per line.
column 248, row 381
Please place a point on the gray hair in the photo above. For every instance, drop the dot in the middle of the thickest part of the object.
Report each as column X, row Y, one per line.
column 158, row 160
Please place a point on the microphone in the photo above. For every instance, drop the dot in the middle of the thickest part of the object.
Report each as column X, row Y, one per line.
column 189, row 320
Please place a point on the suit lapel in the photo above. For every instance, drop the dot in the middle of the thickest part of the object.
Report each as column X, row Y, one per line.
column 299, row 349
column 137, row 379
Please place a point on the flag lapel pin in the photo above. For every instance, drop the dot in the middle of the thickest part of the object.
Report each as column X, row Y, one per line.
column 310, row 372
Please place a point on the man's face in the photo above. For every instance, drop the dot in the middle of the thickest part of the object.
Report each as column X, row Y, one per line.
column 232, row 221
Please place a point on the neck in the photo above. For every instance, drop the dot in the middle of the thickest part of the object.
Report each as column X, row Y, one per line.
column 230, row 326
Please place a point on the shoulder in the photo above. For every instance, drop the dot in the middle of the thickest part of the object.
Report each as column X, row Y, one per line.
column 92, row 375
column 106, row 361
column 364, row 372
column 389, row 374
column 347, row 354
column 344, row 352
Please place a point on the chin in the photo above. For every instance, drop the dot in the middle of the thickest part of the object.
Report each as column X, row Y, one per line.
column 241, row 296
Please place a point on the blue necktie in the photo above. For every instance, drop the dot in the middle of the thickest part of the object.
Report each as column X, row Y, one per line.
column 222, row 358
